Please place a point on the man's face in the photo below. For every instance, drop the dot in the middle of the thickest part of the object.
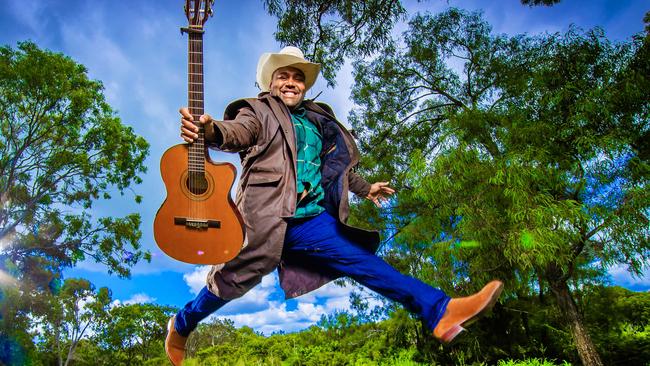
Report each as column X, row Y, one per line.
column 288, row 83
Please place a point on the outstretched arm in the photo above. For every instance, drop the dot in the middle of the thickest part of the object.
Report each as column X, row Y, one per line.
column 235, row 135
column 375, row 192
column 379, row 192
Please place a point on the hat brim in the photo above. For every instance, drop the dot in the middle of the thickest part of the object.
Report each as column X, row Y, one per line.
column 269, row 62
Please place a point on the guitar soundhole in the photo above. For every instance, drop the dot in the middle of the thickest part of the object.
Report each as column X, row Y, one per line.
column 196, row 183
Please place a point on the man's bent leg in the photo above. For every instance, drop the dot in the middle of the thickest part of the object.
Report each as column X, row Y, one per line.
column 186, row 320
column 205, row 303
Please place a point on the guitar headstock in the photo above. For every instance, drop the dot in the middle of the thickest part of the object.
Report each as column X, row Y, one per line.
column 198, row 12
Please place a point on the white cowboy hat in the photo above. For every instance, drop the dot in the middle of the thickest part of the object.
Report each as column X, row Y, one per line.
column 288, row 56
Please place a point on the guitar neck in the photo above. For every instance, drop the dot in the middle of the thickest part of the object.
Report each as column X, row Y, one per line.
column 195, row 96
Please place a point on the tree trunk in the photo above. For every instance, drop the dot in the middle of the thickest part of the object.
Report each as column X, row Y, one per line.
column 71, row 352
column 586, row 349
column 57, row 341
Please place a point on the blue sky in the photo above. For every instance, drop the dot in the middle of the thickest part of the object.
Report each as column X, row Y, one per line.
column 135, row 48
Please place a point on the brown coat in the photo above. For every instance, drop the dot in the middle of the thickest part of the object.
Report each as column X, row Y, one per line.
column 262, row 132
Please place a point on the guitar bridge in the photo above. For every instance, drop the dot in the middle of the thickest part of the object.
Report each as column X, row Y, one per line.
column 199, row 224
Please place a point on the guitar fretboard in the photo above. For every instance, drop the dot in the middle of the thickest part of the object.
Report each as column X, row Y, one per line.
column 195, row 97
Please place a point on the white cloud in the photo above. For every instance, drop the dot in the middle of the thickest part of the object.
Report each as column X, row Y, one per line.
column 254, row 300
column 139, row 298
column 337, row 297
column 196, row 279
column 278, row 318
column 330, row 290
column 258, row 311
column 621, row 276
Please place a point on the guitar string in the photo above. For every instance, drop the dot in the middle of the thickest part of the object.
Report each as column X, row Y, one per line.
column 190, row 85
column 189, row 165
column 197, row 167
column 195, row 112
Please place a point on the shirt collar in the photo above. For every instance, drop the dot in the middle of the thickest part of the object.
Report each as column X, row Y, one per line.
column 299, row 111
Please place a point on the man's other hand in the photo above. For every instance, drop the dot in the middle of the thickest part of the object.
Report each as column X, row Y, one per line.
column 379, row 192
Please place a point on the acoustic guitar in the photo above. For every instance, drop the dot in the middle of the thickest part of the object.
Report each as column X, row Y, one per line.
column 198, row 222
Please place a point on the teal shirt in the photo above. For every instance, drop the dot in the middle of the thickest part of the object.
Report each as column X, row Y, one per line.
column 309, row 144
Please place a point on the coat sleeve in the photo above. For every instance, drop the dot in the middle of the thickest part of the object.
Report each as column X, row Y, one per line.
column 234, row 135
column 358, row 185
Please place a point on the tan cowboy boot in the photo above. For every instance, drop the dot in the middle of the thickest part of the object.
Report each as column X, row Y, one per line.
column 174, row 344
column 465, row 310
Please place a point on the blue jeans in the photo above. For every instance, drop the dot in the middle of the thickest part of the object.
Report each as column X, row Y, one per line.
column 321, row 242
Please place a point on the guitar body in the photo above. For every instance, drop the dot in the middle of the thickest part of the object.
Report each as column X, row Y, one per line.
column 198, row 222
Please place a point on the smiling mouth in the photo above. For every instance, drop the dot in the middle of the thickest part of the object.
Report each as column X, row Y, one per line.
column 289, row 93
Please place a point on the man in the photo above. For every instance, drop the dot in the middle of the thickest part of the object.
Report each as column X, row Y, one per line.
column 297, row 162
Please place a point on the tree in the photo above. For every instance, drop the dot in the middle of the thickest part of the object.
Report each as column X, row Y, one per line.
column 522, row 160
column 135, row 332
column 62, row 148
column 69, row 316
column 540, row 2
column 210, row 334
column 16, row 345
column 331, row 31
column 622, row 320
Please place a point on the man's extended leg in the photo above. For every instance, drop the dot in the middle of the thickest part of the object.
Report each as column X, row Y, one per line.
column 322, row 241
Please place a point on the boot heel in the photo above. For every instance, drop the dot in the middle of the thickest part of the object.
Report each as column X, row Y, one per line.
column 451, row 334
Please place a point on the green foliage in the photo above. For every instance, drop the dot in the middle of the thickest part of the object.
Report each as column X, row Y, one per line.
column 330, row 31
column 210, row 334
column 540, row 2
column 530, row 149
column 134, row 333
column 110, row 335
column 67, row 317
column 532, row 362
column 341, row 342
column 16, row 346
column 621, row 320
column 522, row 331
column 62, row 147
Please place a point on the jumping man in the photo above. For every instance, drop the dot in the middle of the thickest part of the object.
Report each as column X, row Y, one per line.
column 297, row 169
